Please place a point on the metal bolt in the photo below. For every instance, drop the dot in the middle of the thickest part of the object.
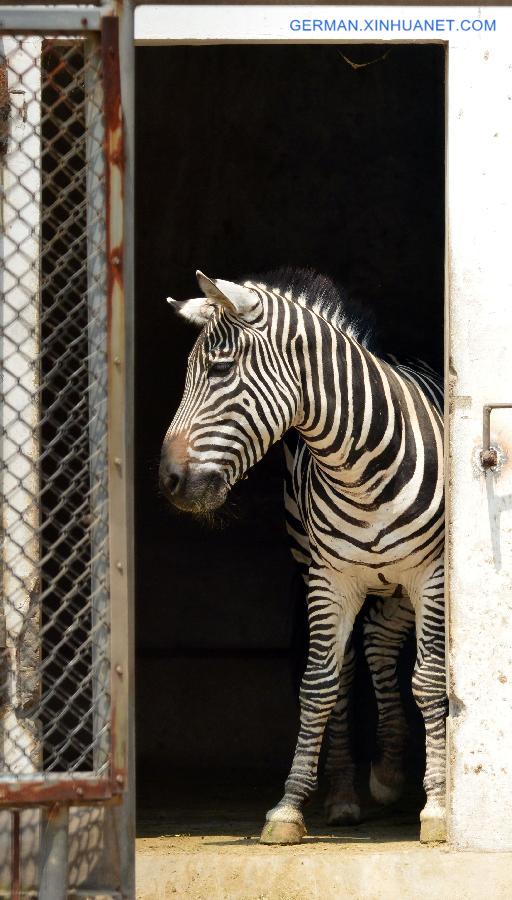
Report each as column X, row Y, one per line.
column 117, row 361
column 79, row 791
column 119, row 566
column 116, row 260
column 489, row 458
column 119, row 670
column 119, row 779
column 117, row 462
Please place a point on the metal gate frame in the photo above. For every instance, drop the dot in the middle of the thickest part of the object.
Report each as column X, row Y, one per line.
column 58, row 791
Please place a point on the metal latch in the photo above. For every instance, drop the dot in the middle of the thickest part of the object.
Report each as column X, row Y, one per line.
column 489, row 455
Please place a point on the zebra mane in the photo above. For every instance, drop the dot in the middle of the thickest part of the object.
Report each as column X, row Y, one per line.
column 318, row 292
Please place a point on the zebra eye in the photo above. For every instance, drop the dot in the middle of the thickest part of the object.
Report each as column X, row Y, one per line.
column 222, row 367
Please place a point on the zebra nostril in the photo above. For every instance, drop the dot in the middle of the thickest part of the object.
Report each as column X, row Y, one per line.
column 173, row 482
column 172, row 477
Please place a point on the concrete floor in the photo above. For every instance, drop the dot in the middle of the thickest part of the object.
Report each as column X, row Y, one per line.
column 208, row 849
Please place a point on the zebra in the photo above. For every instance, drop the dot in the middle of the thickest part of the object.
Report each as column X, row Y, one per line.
column 367, row 483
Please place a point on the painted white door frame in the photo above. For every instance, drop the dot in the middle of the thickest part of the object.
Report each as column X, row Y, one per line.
column 478, row 355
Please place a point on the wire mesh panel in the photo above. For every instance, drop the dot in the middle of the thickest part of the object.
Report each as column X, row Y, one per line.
column 55, row 697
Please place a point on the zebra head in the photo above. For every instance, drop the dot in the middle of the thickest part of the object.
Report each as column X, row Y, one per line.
column 240, row 394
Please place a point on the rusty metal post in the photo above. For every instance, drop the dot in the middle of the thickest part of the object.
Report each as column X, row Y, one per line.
column 15, row 855
column 98, row 398
column 126, row 648
column 122, row 373
column 53, row 861
column 116, row 865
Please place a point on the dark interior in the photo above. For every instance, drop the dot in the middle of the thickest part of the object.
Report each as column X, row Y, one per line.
column 249, row 158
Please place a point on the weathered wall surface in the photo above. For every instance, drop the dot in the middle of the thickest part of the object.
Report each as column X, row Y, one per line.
column 480, row 505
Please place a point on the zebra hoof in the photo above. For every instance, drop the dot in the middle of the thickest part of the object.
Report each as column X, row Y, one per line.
column 276, row 832
column 433, row 824
column 343, row 813
column 385, row 791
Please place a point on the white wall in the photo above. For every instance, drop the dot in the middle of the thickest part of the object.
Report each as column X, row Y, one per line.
column 480, row 505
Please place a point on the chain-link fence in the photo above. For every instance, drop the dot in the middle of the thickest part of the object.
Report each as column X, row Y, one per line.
column 54, row 616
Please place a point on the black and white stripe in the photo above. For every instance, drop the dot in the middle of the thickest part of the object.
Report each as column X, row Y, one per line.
column 366, row 486
column 388, row 621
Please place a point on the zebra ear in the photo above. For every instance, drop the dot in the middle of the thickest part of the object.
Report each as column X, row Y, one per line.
column 237, row 299
column 198, row 310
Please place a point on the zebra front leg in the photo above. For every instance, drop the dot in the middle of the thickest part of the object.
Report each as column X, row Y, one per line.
column 385, row 628
column 332, row 608
column 429, row 689
column 342, row 805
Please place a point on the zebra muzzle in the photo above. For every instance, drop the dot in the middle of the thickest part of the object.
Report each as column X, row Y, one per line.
column 192, row 487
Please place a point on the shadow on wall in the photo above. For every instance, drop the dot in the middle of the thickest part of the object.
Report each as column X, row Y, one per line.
column 93, row 854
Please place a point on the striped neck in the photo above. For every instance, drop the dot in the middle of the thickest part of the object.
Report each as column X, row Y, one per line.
column 351, row 417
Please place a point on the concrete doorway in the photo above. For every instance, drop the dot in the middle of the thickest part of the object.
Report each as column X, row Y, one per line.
column 250, row 157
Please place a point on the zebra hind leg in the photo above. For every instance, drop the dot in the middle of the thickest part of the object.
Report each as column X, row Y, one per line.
column 387, row 624
column 342, row 805
column 429, row 689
